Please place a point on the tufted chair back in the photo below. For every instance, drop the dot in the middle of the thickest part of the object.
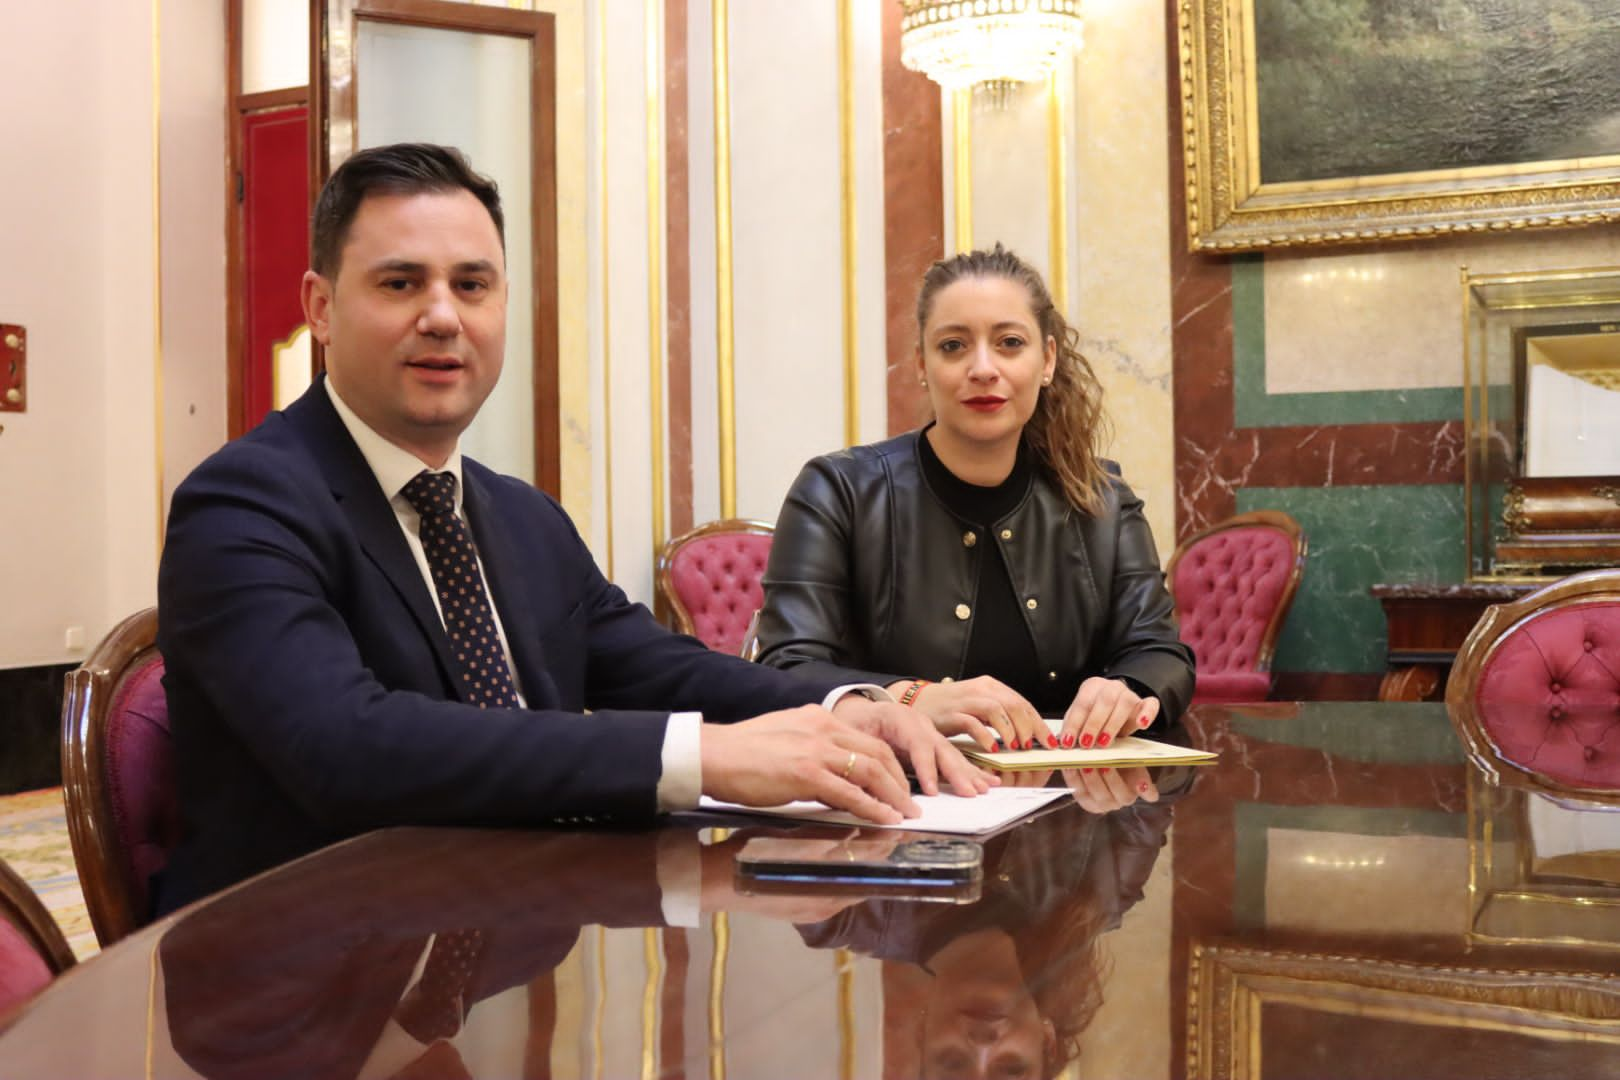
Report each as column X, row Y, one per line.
column 1232, row 584
column 32, row 949
column 709, row 581
column 1535, row 690
column 118, row 775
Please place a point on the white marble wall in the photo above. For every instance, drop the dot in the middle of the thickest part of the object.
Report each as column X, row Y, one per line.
column 1115, row 205
column 1391, row 318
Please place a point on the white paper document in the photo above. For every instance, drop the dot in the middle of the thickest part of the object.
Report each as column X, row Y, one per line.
column 940, row 813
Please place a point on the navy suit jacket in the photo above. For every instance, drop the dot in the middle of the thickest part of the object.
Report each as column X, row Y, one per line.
column 308, row 672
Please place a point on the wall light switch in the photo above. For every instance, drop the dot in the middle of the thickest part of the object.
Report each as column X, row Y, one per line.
column 13, row 368
column 73, row 639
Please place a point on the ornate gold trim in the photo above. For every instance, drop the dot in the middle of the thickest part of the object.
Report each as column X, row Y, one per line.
column 725, row 336
column 654, row 960
column 962, row 169
column 151, row 1011
column 1230, row 984
column 846, row 182
column 1057, row 189
column 1229, row 209
column 655, row 258
column 717, row 987
column 599, row 1017
column 844, row 967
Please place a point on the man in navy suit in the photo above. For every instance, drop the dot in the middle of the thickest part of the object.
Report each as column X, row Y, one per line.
column 313, row 689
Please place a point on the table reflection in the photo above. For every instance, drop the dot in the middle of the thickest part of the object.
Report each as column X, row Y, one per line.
column 1342, row 894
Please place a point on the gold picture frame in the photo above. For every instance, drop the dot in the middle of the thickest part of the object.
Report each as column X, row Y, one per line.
column 1234, row 989
column 1230, row 208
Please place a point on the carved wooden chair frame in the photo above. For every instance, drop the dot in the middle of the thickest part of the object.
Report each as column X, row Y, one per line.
column 667, row 605
column 21, row 907
column 97, row 849
column 1494, row 628
column 1273, row 519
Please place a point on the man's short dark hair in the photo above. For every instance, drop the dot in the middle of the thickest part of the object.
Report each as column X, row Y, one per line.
column 398, row 169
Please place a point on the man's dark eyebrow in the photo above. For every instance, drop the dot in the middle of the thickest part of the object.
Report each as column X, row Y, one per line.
column 397, row 266
column 405, row 266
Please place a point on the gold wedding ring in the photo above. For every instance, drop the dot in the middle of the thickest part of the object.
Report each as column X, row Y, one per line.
column 849, row 766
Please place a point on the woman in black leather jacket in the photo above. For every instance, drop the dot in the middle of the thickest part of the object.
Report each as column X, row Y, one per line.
column 991, row 568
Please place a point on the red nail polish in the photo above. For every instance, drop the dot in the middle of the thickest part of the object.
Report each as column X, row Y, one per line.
column 1051, row 742
column 1085, row 740
column 1104, row 739
column 1142, row 721
column 1068, row 740
column 1087, row 769
column 1029, row 744
column 1142, row 787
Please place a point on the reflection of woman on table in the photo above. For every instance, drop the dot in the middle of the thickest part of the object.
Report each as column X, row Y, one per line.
column 1005, row 986
column 992, row 567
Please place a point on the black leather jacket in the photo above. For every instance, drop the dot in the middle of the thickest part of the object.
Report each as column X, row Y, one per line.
column 871, row 575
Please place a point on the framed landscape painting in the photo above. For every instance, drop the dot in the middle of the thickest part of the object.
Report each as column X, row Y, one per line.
column 1341, row 121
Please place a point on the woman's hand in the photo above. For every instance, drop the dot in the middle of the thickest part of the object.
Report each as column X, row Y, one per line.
column 985, row 708
column 1102, row 791
column 1105, row 710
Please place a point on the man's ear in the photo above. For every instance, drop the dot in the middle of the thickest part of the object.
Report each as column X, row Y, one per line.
column 315, row 293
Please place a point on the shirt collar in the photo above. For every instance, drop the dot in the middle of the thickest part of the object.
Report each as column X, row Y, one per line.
column 392, row 466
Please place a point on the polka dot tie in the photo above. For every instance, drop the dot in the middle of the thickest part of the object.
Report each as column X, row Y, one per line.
column 481, row 668
column 436, row 1006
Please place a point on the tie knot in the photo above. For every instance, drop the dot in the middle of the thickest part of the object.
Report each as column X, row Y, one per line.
column 431, row 493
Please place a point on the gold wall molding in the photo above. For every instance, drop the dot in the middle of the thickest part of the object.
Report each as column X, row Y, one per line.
column 717, row 991
column 655, row 257
column 962, row 169
column 157, row 264
column 653, row 957
column 725, row 330
column 1057, row 191
column 606, row 285
column 846, row 181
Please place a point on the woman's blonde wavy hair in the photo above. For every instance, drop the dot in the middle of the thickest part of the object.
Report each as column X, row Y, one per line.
column 1068, row 428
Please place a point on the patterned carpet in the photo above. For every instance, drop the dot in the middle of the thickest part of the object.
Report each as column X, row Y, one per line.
column 34, row 841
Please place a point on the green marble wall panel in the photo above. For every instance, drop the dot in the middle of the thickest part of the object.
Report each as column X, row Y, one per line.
column 1359, row 537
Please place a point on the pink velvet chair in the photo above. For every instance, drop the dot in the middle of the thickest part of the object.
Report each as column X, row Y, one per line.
column 709, row 581
column 1233, row 584
column 118, row 775
column 32, row 948
column 1535, row 689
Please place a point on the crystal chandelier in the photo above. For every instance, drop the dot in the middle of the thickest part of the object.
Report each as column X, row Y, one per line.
column 964, row 43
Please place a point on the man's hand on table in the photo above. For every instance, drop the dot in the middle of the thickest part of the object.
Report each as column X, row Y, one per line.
column 918, row 742
column 806, row 753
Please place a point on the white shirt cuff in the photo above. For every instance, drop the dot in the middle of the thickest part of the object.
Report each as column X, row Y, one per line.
column 680, row 877
column 871, row 691
column 681, row 782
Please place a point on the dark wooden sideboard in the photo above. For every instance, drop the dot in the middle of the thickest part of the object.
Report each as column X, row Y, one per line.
column 1427, row 625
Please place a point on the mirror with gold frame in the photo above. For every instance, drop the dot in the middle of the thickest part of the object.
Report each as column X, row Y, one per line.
column 1542, row 392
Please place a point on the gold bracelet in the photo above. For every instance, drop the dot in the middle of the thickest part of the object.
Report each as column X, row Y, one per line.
column 912, row 691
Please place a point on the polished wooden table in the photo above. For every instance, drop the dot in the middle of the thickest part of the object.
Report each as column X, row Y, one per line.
column 1342, row 895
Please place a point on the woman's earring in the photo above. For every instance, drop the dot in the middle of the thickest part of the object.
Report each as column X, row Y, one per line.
column 923, row 383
